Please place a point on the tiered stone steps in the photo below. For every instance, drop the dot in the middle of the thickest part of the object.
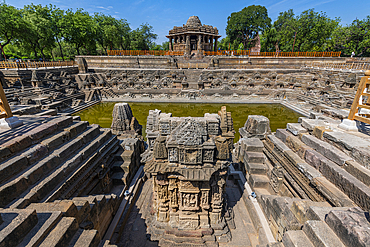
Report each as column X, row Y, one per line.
column 324, row 158
column 51, row 153
column 77, row 222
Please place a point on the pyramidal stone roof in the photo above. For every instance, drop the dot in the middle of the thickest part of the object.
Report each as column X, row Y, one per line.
column 193, row 21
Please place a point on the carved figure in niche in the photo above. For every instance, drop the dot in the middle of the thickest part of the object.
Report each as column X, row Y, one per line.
column 160, row 150
column 162, row 192
column 276, row 178
column 193, row 201
column 208, row 155
column 173, row 155
column 205, row 198
column 174, row 198
column 222, row 148
column 185, row 200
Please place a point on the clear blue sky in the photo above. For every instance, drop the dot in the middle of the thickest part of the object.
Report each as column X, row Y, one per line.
column 163, row 15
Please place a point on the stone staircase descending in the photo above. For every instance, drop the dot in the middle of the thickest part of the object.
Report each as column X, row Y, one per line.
column 55, row 152
column 44, row 164
column 327, row 173
column 77, row 222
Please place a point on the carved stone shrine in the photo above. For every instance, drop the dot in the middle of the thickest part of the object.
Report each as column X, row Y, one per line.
column 189, row 165
column 123, row 121
column 193, row 37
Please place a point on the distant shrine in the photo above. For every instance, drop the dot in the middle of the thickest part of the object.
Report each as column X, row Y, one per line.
column 193, row 38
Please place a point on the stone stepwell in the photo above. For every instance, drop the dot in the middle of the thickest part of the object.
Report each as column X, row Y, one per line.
column 59, row 184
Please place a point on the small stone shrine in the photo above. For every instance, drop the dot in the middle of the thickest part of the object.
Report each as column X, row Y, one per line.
column 189, row 169
column 123, row 121
column 193, row 37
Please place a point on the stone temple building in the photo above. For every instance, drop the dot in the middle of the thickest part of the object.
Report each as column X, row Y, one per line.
column 193, row 37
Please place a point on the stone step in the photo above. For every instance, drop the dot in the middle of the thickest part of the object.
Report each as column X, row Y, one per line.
column 256, row 168
column 296, row 239
column 320, row 234
column 251, row 144
column 118, row 178
column 258, row 181
column 327, row 150
column 254, row 157
column 351, row 226
column 91, row 155
column 46, row 222
column 355, row 146
column 62, row 234
column 351, row 186
column 16, row 225
column 85, row 238
column 15, row 187
column 33, row 154
column 296, row 128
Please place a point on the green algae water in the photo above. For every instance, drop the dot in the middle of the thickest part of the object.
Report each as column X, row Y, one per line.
column 279, row 115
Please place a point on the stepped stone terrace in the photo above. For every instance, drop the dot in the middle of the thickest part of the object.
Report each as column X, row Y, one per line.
column 184, row 181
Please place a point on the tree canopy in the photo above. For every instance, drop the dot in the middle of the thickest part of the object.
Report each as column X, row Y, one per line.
column 37, row 31
column 244, row 26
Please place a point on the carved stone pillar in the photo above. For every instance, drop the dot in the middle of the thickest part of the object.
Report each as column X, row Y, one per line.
column 200, row 47
column 187, row 46
column 170, row 45
column 215, row 44
column 211, row 46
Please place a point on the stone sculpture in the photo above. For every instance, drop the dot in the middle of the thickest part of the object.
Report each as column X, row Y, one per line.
column 123, row 121
column 189, row 169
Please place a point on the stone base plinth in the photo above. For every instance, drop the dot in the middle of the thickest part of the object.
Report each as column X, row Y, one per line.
column 349, row 125
column 12, row 122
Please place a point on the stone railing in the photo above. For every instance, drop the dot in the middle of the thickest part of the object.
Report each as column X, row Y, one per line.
column 354, row 65
column 25, row 65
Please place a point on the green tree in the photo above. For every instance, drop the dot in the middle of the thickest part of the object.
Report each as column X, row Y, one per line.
column 37, row 35
column 243, row 26
column 270, row 40
column 79, row 30
column 312, row 30
column 352, row 38
column 11, row 25
column 143, row 37
column 110, row 32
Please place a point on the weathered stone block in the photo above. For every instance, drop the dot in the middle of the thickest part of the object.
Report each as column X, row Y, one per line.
column 62, row 122
column 41, row 168
column 306, row 169
column 42, row 131
column 319, row 131
column 326, row 149
column 320, row 234
column 278, row 145
column 12, row 166
column 17, row 229
column 282, row 134
column 77, row 128
column 62, row 233
column 36, row 153
column 56, row 140
column 89, row 134
column 296, row 239
column 68, row 149
column 352, row 187
column 362, row 156
column 334, row 195
column 252, row 144
column 254, row 157
column 258, row 181
column 295, row 128
column 4, row 152
column 351, row 226
column 256, row 126
column 358, row 171
column 18, row 143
